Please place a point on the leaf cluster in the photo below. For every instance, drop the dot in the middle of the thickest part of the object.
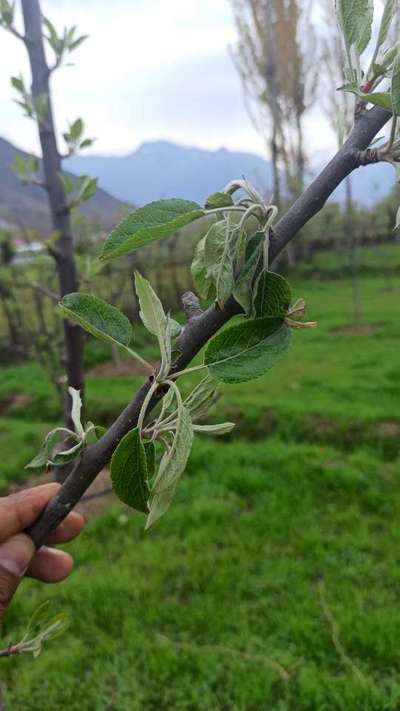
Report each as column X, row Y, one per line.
column 62, row 43
column 231, row 259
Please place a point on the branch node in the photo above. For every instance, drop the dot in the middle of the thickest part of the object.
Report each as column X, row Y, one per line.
column 369, row 156
column 191, row 305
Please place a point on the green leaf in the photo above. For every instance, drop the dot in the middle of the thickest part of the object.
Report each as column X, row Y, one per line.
column 86, row 143
column 243, row 292
column 171, row 467
column 247, row 350
column 273, row 295
column 97, row 430
column 219, row 254
column 220, row 429
column 202, row 397
column 66, row 455
column 149, row 223
column 150, row 450
column 68, row 183
column 76, row 43
column 76, row 129
column 389, row 12
column 218, row 200
column 355, row 19
column 395, row 88
column 97, row 317
column 378, row 98
column 18, row 84
column 174, row 327
column 129, row 472
column 155, row 320
column 202, row 283
column 44, row 455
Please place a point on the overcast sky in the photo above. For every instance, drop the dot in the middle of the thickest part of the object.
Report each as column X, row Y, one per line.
column 151, row 69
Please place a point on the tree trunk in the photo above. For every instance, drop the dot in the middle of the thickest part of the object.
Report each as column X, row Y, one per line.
column 63, row 252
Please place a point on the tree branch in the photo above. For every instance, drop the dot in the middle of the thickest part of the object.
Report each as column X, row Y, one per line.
column 206, row 324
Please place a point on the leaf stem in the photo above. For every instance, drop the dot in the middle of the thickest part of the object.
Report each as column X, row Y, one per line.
column 187, row 370
column 146, row 402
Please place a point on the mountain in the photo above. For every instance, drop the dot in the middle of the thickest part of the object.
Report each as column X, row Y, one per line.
column 163, row 169
column 27, row 206
column 157, row 170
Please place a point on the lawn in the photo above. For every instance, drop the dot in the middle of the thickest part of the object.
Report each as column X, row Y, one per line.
column 273, row 582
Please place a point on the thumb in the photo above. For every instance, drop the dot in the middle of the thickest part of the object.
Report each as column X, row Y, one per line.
column 15, row 556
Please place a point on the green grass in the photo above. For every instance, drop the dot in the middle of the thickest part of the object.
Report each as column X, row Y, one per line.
column 283, row 529
column 238, row 563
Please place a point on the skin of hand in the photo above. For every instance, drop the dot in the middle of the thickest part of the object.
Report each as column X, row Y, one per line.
column 18, row 556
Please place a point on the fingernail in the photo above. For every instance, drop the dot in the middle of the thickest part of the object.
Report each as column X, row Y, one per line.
column 16, row 554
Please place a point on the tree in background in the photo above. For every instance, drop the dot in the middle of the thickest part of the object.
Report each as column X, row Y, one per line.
column 339, row 107
column 63, row 193
column 275, row 57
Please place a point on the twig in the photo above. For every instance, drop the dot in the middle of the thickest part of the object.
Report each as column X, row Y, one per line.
column 347, row 661
column 45, row 292
column 191, row 305
column 257, row 658
column 11, row 651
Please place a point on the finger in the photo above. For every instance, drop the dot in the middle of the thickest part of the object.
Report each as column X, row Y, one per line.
column 50, row 565
column 15, row 557
column 68, row 529
column 19, row 510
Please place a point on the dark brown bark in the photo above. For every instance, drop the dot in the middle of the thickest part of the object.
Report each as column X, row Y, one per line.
column 61, row 219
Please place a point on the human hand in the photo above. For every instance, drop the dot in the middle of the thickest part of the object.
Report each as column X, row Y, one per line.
column 18, row 556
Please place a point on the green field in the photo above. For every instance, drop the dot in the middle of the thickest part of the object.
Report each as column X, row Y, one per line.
column 273, row 582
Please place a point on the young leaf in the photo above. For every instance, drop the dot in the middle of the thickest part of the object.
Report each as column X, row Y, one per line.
column 378, row 98
column 204, row 395
column 395, row 88
column 171, row 466
column 155, row 320
column 218, row 200
column 218, row 255
column 149, row 223
column 355, row 19
column 18, row 84
column 388, row 14
column 66, row 455
column 220, row 429
column 247, row 350
column 76, row 410
column 202, row 283
column 99, row 318
column 150, row 451
column 273, row 295
column 44, row 455
column 129, row 471
column 243, row 288
column 76, row 129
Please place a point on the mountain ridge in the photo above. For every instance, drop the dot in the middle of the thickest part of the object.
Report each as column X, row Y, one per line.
column 164, row 169
column 158, row 170
column 26, row 206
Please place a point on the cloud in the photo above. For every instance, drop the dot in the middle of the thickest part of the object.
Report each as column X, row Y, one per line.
column 151, row 69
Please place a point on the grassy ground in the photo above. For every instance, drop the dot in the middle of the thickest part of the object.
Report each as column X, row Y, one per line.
column 273, row 582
